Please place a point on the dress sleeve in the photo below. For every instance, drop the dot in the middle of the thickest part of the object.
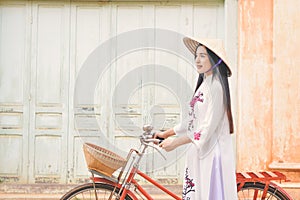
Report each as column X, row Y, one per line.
column 181, row 128
column 206, row 128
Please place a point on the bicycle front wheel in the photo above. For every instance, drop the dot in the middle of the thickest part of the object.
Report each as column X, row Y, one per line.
column 87, row 191
column 254, row 191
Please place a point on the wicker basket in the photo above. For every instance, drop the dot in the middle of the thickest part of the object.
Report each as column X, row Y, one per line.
column 101, row 159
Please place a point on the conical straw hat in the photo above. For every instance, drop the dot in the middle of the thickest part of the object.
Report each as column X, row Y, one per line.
column 214, row 45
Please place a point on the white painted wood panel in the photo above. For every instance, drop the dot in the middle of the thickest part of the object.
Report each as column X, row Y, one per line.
column 85, row 37
column 11, row 156
column 49, row 54
column 13, row 92
column 47, row 155
column 12, row 53
column 48, row 120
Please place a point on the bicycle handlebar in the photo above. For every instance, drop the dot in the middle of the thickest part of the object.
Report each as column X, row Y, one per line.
column 147, row 138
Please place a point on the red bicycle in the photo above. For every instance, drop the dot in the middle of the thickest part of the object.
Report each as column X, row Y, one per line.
column 102, row 162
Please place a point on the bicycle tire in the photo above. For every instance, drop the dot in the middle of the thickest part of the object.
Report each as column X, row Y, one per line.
column 247, row 192
column 86, row 191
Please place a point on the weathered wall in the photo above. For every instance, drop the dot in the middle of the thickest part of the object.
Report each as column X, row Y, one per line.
column 268, row 88
column 255, row 84
column 286, row 93
column 286, row 83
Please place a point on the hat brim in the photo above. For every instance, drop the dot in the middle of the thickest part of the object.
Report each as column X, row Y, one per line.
column 214, row 45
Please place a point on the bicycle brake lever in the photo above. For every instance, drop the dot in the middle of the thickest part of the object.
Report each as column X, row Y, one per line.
column 156, row 148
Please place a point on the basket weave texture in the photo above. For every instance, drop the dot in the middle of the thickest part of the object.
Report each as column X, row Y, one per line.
column 101, row 159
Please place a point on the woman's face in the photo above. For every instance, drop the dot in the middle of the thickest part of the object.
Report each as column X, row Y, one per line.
column 202, row 61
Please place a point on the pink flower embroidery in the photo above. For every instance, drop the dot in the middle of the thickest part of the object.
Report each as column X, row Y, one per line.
column 197, row 135
column 194, row 100
column 189, row 185
column 199, row 97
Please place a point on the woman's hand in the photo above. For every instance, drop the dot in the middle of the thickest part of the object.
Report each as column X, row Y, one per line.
column 160, row 135
column 164, row 134
column 171, row 144
column 168, row 144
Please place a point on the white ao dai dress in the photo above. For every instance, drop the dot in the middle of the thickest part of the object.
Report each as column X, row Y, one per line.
column 209, row 173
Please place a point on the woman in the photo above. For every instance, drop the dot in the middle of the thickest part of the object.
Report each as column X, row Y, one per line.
column 210, row 170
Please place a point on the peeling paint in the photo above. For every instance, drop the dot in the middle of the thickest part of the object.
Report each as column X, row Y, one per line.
column 269, row 86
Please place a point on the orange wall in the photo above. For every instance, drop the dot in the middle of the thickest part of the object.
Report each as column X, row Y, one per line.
column 286, row 92
column 268, row 135
column 255, row 84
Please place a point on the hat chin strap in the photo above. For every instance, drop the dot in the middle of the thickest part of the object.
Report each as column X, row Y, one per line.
column 216, row 65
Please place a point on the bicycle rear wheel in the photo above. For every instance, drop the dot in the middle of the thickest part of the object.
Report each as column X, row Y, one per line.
column 254, row 191
column 86, row 191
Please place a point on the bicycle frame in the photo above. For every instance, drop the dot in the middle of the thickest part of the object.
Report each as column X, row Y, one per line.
column 140, row 188
column 131, row 180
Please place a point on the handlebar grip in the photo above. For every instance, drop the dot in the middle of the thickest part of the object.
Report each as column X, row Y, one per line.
column 160, row 139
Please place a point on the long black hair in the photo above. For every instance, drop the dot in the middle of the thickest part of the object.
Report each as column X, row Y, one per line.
column 224, row 73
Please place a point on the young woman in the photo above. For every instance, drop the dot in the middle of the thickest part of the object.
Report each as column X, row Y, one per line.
column 210, row 168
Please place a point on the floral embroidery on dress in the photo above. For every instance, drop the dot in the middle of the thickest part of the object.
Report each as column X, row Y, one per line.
column 197, row 135
column 189, row 186
column 194, row 100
